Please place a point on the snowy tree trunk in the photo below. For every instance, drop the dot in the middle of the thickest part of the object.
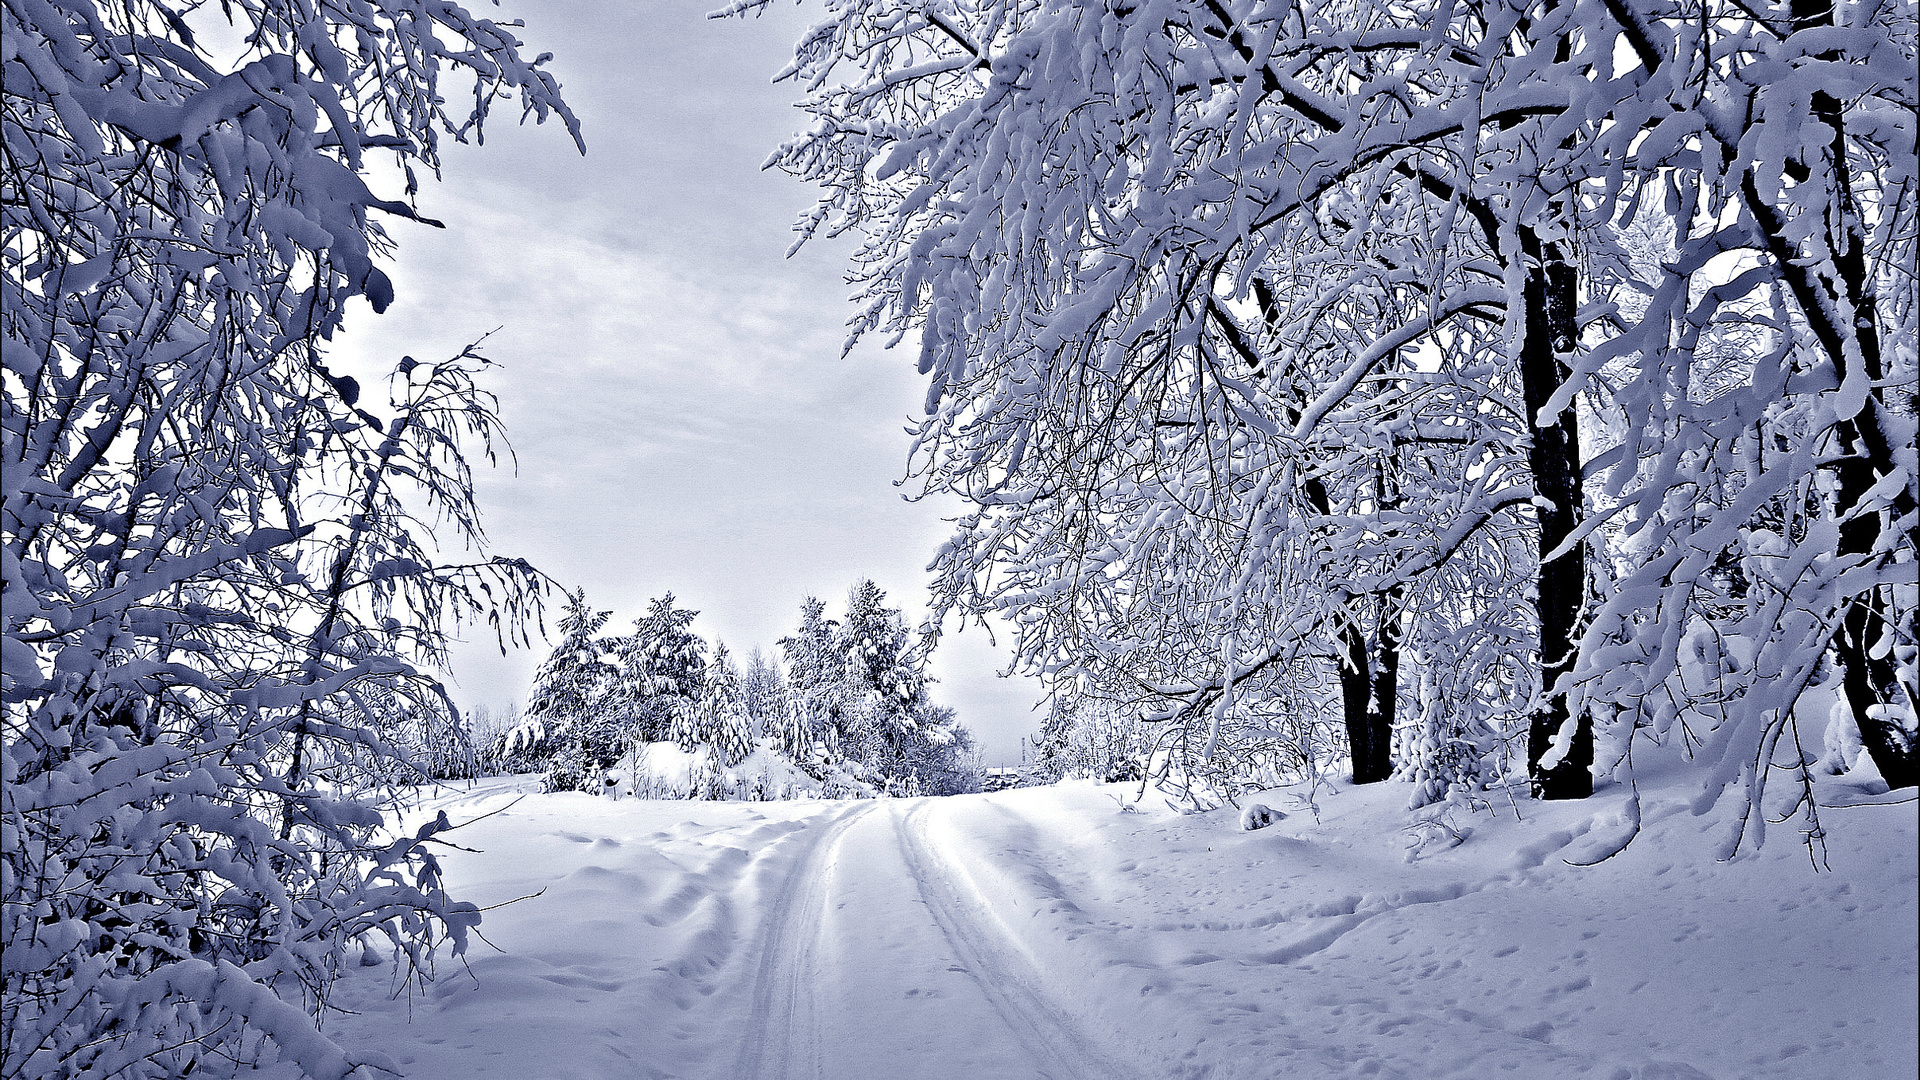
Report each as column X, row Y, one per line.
column 1369, row 683
column 1548, row 336
column 1866, row 635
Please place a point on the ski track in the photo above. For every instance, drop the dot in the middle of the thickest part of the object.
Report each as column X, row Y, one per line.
column 1050, row 1036
column 783, row 1041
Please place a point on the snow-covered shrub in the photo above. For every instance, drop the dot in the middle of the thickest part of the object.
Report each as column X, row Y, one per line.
column 1088, row 738
column 1840, row 743
column 1258, row 816
column 215, row 779
column 1457, row 742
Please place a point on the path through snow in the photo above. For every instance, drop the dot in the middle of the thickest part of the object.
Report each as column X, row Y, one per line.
column 1046, row 933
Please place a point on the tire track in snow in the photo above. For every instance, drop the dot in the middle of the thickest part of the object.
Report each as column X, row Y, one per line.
column 1010, row 983
column 783, row 1033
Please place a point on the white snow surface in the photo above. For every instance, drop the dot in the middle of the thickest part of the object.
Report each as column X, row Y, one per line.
column 1047, row 932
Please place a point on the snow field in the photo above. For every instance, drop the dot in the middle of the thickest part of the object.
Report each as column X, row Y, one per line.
column 1048, row 933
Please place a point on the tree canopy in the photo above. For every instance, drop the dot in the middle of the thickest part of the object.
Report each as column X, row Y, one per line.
column 1478, row 358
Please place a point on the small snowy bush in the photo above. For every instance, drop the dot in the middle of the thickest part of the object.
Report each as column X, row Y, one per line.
column 1258, row 816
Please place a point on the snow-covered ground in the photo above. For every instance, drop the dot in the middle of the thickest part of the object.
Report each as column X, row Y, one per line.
column 1051, row 933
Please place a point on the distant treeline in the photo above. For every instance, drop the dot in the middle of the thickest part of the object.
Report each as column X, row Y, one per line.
column 844, row 703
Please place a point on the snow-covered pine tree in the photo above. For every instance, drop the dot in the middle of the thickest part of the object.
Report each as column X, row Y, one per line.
column 686, row 726
column 883, row 682
column 1050, row 745
column 725, row 723
column 764, row 689
column 880, row 661
column 792, row 730
column 909, row 744
column 817, row 689
column 572, row 720
column 662, row 666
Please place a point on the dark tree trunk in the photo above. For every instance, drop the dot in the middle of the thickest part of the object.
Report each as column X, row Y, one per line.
column 1549, row 333
column 1369, row 681
column 1386, row 687
column 1868, row 681
column 1386, row 668
column 1367, row 689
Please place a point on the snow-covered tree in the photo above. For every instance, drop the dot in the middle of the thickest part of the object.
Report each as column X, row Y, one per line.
column 220, row 589
column 572, row 720
column 662, row 666
column 912, row 746
column 816, row 684
column 1154, row 400
column 763, row 687
column 884, row 685
column 858, row 697
column 718, row 719
column 941, row 758
column 880, row 662
column 489, row 728
column 1085, row 737
column 1255, row 331
column 1759, row 364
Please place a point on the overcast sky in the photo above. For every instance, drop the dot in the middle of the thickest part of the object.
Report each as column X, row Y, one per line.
column 671, row 382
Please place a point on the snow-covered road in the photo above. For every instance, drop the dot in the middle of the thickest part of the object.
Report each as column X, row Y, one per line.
column 1049, row 933
column 878, row 953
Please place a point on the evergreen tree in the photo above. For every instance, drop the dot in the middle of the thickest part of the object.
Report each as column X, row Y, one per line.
column 1050, row 746
column 911, row 745
column 883, row 681
column 816, row 681
column 571, row 715
column 685, row 728
column 723, row 721
column 880, row 662
column 662, row 668
column 764, row 690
